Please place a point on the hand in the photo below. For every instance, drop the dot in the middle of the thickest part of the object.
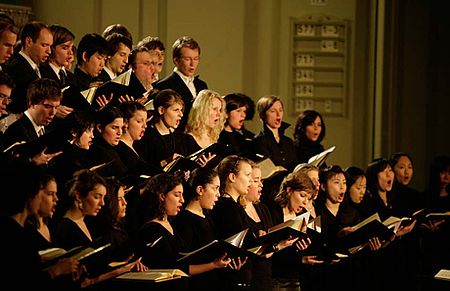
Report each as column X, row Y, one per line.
column 102, row 101
column 66, row 266
column 287, row 243
column 238, row 263
column 205, row 158
column 62, row 111
column 221, row 262
column 311, row 260
column 402, row 230
column 95, row 84
column 43, row 159
column 142, row 100
column 125, row 98
column 432, row 225
column 138, row 266
column 375, row 244
column 302, row 244
column 344, row 231
column 261, row 232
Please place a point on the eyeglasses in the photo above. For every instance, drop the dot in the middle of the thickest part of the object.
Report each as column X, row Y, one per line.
column 5, row 99
column 148, row 64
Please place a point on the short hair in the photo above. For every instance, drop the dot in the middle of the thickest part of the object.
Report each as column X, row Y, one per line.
column 184, row 41
column 114, row 40
column 297, row 181
column 77, row 123
column 32, row 30
column 250, row 104
column 161, row 184
column 264, row 104
column 43, row 89
column 304, row 119
column 133, row 55
column 152, row 43
column 234, row 101
column 395, row 157
column 8, row 26
column 165, row 98
column 6, row 18
column 90, row 44
column 6, row 80
column 199, row 114
column 117, row 28
column 129, row 108
column 60, row 35
column 106, row 115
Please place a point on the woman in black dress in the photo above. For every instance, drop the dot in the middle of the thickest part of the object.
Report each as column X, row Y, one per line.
column 158, row 242
column 162, row 141
column 194, row 224
column 309, row 132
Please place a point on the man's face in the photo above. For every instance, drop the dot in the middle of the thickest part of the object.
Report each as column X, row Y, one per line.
column 39, row 50
column 7, row 42
column 188, row 62
column 94, row 65
column 44, row 112
column 119, row 60
column 5, row 98
column 63, row 53
column 145, row 67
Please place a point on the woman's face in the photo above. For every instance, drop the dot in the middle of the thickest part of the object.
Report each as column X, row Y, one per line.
column 94, row 201
column 214, row 113
column 112, row 131
column 335, row 188
column 358, row 190
column 403, row 170
column 209, row 194
column 122, row 202
column 314, row 176
column 256, row 185
column 298, row 200
column 444, row 177
column 236, row 118
column 385, row 179
column 172, row 115
column 137, row 124
column 242, row 179
column 48, row 199
column 85, row 140
column 274, row 115
column 173, row 200
column 312, row 131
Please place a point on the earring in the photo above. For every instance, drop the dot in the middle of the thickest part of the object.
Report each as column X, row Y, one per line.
column 80, row 205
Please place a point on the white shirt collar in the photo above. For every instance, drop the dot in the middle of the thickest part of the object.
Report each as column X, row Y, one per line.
column 37, row 128
column 109, row 72
column 185, row 78
column 56, row 69
column 29, row 60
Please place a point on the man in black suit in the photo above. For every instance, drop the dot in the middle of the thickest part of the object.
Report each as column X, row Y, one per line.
column 6, row 86
column 8, row 38
column 119, row 49
column 185, row 56
column 36, row 40
column 44, row 97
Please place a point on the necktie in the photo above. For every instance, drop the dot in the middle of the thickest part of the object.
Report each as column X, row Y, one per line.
column 62, row 77
column 191, row 87
column 41, row 131
column 36, row 69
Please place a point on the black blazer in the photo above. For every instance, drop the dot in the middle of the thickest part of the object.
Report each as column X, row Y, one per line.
column 174, row 82
column 23, row 74
column 20, row 130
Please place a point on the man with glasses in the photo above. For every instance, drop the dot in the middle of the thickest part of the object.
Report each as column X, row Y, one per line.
column 185, row 56
column 6, row 86
column 44, row 97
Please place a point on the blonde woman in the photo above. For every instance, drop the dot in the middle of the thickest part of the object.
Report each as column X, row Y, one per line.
column 205, row 122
